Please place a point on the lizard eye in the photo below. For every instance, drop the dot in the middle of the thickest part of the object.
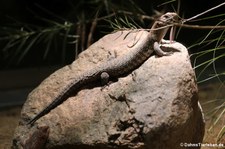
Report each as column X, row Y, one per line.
column 166, row 16
column 166, row 19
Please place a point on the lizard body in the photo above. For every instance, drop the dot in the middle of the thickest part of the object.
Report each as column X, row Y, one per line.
column 118, row 66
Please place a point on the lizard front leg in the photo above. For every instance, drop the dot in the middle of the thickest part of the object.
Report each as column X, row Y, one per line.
column 168, row 46
column 159, row 51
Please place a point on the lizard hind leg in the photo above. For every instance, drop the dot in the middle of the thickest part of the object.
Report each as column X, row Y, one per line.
column 104, row 78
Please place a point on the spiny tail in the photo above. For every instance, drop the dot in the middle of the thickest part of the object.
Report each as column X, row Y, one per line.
column 57, row 101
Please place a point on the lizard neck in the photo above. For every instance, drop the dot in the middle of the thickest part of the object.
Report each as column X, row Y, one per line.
column 158, row 32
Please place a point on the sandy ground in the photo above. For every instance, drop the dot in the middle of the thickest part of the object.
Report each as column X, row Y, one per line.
column 212, row 99
column 8, row 121
column 9, row 117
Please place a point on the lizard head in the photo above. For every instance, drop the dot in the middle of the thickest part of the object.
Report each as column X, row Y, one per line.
column 162, row 24
column 167, row 19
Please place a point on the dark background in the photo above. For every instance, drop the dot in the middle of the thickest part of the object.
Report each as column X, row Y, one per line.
column 29, row 11
column 19, row 79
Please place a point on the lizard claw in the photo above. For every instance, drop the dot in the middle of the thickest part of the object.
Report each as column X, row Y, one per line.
column 168, row 53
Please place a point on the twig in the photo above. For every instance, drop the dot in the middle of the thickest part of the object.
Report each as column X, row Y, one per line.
column 199, row 26
column 186, row 20
column 90, row 35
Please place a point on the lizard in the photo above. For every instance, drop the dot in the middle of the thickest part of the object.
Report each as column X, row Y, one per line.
column 117, row 67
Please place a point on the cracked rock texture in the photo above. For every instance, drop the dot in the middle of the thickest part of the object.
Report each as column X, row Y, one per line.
column 154, row 107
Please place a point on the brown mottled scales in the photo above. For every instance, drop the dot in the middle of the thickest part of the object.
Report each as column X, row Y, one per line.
column 118, row 66
column 38, row 138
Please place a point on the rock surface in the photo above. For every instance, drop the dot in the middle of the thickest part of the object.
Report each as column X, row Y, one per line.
column 156, row 106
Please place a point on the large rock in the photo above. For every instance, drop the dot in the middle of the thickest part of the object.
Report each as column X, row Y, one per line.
column 155, row 106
